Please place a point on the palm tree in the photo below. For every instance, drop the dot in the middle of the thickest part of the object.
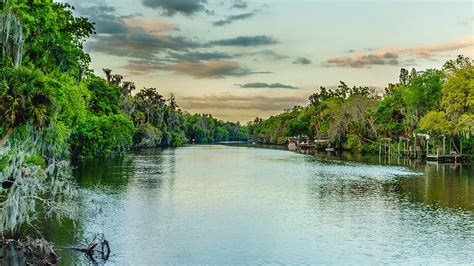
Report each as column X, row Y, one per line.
column 24, row 97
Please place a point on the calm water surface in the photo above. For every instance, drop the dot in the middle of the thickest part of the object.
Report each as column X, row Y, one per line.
column 239, row 205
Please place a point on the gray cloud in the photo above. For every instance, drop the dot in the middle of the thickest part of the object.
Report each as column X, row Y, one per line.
column 138, row 43
column 302, row 61
column 137, row 38
column 172, row 7
column 198, row 56
column 211, row 69
column 239, row 4
column 259, row 85
column 142, row 67
column 103, row 17
column 268, row 54
column 245, row 41
column 231, row 19
column 130, row 36
column 360, row 61
column 149, row 45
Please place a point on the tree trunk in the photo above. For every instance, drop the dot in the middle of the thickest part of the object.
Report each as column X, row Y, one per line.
column 6, row 137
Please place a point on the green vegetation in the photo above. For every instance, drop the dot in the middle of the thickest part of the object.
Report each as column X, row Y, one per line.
column 437, row 102
column 52, row 107
column 55, row 95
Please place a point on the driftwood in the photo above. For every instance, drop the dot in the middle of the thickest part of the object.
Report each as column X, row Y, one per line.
column 96, row 249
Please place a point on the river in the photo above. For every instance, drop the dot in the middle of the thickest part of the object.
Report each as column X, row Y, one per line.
column 242, row 205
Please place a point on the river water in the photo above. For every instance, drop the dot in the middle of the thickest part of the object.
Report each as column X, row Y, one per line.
column 241, row 205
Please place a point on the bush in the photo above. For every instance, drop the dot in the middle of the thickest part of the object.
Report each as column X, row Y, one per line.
column 101, row 135
column 147, row 136
column 353, row 143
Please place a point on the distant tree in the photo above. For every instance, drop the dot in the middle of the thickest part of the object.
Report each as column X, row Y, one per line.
column 404, row 76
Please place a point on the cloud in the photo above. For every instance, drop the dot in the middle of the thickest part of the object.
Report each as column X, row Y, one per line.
column 302, row 61
column 103, row 17
column 152, row 26
column 144, row 41
column 149, row 45
column 131, row 36
column 172, row 7
column 231, row 19
column 198, row 56
column 391, row 55
column 239, row 4
column 430, row 50
column 467, row 22
column 142, row 67
column 361, row 60
column 266, row 85
column 138, row 43
column 261, row 103
column 211, row 69
column 245, row 41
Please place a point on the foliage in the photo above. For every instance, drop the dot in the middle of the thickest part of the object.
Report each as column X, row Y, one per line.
column 25, row 97
column 102, row 135
column 439, row 102
column 435, row 121
column 54, row 37
column 105, row 98
column 28, row 184
column 147, row 136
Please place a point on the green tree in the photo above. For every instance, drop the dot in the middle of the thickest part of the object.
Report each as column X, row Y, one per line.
column 422, row 95
column 105, row 98
column 54, row 37
column 24, row 97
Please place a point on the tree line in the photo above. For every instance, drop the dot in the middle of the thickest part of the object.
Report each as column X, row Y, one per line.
column 439, row 102
column 49, row 90
column 53, row 107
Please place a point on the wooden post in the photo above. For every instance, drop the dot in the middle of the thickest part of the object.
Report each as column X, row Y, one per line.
column 444, row 144
column 399, row 147
column 427, row 147
column 415, row 151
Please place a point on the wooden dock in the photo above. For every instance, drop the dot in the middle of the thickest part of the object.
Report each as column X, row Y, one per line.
column 446, row 158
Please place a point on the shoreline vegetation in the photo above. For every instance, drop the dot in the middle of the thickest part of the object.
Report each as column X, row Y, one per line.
column 53, row 107
column 433, row 108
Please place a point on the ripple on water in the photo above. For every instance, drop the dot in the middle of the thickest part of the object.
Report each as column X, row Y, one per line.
column 228, row 205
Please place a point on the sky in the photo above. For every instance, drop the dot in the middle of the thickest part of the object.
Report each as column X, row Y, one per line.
column 241, row 59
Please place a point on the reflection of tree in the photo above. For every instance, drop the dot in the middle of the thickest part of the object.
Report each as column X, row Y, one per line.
column 149, row 170
column 112, row 172
column 337, row 190
column 440, row 185
column 444, row 185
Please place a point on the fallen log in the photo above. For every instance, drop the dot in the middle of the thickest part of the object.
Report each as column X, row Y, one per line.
column 96, row 249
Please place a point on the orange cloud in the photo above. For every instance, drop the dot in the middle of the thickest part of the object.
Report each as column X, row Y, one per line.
column 152, row 26
column 204, row 69
column 390, row 55
column 232, row 102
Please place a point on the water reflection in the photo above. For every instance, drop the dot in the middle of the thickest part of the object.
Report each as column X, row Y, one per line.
column 112, row 172
column 238, row 205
